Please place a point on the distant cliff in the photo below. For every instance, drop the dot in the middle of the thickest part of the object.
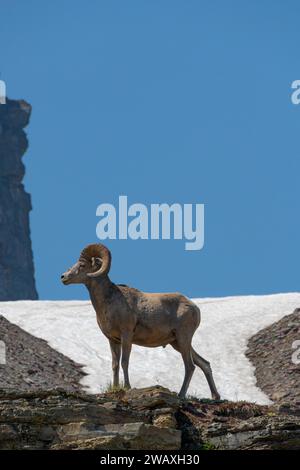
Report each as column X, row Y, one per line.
column 16, row 259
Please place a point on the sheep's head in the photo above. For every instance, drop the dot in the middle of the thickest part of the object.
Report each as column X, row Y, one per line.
column 94, row 261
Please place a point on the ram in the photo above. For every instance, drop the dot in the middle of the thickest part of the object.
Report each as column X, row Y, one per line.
column 128, row 316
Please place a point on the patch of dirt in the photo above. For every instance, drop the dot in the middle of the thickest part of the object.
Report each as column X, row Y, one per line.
column 271, row 351
column 31, row 364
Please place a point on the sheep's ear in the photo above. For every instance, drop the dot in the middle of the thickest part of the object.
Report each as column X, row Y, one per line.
column 96, row 261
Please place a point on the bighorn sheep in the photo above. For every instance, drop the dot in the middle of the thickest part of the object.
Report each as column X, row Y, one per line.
column 128, row 316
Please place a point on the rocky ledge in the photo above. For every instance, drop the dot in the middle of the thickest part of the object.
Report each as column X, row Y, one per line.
column 150, row 419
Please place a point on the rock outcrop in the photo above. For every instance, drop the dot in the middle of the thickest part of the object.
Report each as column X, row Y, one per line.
column 271, row 352
column 16, row 260
column 149, row 419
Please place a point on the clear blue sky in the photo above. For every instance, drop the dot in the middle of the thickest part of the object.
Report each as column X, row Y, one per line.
column 165, row 101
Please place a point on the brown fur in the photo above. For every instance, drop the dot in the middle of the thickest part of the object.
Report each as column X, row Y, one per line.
column 128, row 316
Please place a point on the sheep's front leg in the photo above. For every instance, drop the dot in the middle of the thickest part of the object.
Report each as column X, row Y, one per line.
column 115, row 354
column 126, row 342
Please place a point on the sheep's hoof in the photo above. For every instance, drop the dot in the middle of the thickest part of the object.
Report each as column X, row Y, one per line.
column 216, row 396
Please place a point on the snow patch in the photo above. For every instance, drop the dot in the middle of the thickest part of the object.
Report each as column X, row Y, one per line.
column 227, row 323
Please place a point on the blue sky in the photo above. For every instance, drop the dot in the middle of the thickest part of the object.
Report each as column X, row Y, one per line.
column 164, row 101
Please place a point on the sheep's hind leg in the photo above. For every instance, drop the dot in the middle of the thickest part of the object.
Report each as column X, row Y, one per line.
column 205, row 366
column 185, row 350
column 126, row 342
column 115, row 353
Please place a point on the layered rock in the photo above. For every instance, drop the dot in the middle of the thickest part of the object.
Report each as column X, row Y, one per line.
column 16, row 260
column 60, row 420
column 152, row 418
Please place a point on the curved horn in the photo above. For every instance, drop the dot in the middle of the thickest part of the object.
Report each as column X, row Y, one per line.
column 98, row 251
